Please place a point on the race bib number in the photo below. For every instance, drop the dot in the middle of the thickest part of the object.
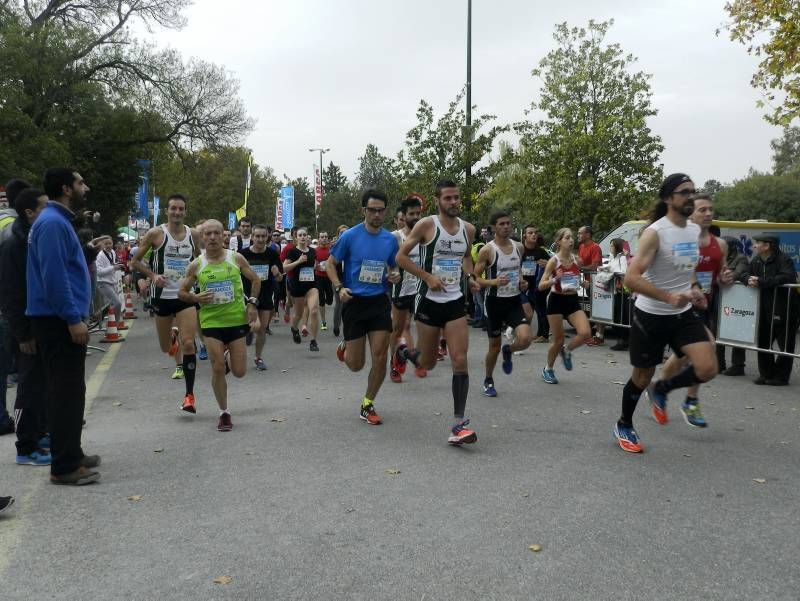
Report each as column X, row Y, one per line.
column 175, row 269
column 371, row 272
column 704, row 278
column 306, row 274
column 262, row 271
column 512, row 287
column 323, row 265
column 529, row 268
column 570, row 281
column 685, row 256
column 449, row 270
column 223, row 292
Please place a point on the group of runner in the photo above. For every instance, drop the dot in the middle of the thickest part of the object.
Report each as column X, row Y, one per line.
column 379, row 280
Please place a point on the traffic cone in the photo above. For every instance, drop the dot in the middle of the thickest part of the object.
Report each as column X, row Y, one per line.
column 121, row 325
column 112, row 335
column 130, row 312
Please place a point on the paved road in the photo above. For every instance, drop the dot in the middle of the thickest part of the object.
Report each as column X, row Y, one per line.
column 306, row 508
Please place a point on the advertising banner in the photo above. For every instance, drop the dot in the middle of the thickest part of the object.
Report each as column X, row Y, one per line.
column 156, row 208
column 231, row 220
column 738, row 314
column 278, row 215
column 317, row 189
column 602, row 302
column 287, row 207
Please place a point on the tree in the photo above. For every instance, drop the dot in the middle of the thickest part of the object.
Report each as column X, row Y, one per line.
column 375, row 170
column 770, row 30
column 333, row 179
column 712, row 186
column 341, row 207
column 761, row 196
column 593, row 158
column 786, row 151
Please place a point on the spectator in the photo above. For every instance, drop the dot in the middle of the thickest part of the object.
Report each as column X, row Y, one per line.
column 9, row 214
column 589, row 254
column 769, row 269
column 106, row 267
column 617, row 265
column 737, row 263
column 29, row 405
column 59, row 295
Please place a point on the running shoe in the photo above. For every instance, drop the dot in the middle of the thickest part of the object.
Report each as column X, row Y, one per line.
column 399, row 359
column 304, row 331
column 268, row 331
column 460, row 434
column 443, row 347
column 658, row 404
column 225, row 424
column 488, row 388
column 420, row 372
column 173, row 342
column 324, row 327
column 627, row 438
column 369, row 415
column 395, row 376
column 202, row 354
column 35, row 458
column 340, row 350
column 188, row 404
column 260, row 365
column 549, row 375
column 5, row 503
column 296, row 336
column 178, row 373
column 313, row 346
column 508, row 365
column 692, row 414
column 566, row 357
column 44, row 442
column 248, row 339
column 595, row 341
column 286, row 317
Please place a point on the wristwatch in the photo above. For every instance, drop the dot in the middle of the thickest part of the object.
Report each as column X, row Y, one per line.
column 337, row 288
column 252, row 300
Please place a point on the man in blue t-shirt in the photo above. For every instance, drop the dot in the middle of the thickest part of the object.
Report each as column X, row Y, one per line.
column 367, row 253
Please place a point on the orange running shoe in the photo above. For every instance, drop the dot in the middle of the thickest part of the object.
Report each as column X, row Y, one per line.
column 369, row 415
column 173, row 346
column 627, row 438
column 340, row 350
column 395, row 376
column 658, row 404
column 188, row 404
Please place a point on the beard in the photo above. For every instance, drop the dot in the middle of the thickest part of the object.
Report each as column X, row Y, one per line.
column 453, row 211
column 410, row 223
column 687, row 209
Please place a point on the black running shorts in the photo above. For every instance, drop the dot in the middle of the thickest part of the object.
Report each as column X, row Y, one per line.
column 438, row 314
column 364, row 314
column 169, row 307
column 502, row 311
column 404, row 303
column 325, row 289
column 562, row 304
column 226, row 335
column 651, row 333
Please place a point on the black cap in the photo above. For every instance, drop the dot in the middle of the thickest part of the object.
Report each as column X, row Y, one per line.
column 767, row 238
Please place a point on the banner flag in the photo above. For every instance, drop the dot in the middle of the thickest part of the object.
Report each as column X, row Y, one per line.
column 242, row 211
column 287, row 207
column 231, row 220
column 156, row 207
column 278, row 214
column 317, row 189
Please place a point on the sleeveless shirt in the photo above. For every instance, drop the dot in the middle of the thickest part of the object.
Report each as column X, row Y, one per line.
column 508, row 265
column 171, row 260
column 442, row 257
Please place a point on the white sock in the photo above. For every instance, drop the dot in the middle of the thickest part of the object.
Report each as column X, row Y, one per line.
column 223, row 411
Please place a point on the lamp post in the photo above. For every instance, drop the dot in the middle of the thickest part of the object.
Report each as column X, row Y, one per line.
column 468, row 153
column 321, row 185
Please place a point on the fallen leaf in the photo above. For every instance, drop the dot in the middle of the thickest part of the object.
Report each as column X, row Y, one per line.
column 749, row 407
column 494, row 425
column 117, row 404
column 586, row 411
column 618, row 383
column 772, row 403
column 350, row 510
column 535, row 548
column 526, row 494
column 135, row 498
column 283, row 371
column 308, row 398
column 438, row 413
column 759, row 480
column 249, row 453
column 161, row 450
column 392, row 472
column 278, row 419
column 611, row 362
column 686, row 455
column 577, row 396
column 223, row 580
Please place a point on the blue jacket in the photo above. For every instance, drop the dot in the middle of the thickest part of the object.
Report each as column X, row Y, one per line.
column 58, row 277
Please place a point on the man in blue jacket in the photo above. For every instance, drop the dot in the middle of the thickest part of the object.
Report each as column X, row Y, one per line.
column 59, row 297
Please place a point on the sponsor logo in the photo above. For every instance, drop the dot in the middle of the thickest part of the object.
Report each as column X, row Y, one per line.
column 736, row 312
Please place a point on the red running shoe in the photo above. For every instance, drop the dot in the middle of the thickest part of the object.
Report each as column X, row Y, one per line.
column 225, row 424
column 395, row 376
column 340, row 351
column 460, row 434
column 188, row 404
column 369, row 415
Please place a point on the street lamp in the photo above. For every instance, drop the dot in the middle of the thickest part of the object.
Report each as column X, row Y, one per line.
column 321, row 151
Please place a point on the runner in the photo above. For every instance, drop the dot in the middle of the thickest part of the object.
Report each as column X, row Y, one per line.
column 534, row 260
column 173, row 247
column 324, row 287
column 404, row 292
column 563, row 276
column 662, row 274
column 303, row 287
column 444, row 241
column 223, row 317
column 502, row 260
column 709, row 271
column 267, row 264
column 365, row 251
column 245, row 236
column 290, row 241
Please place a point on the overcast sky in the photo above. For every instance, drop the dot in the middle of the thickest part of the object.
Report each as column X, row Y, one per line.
column 342, row 74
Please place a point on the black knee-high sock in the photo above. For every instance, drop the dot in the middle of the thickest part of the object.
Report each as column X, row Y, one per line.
column 684, row 379
column 460, row 391
column 630, row 398
column 189, row 366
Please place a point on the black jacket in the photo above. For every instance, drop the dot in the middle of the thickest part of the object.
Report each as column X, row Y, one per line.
column 772, row 272
column 13, row 283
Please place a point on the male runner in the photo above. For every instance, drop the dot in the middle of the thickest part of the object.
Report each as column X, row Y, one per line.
column 663, row 275
column 365, row 250
column 223, row 317
column 173, row 245
column 404, row 292
column 444, row 241
column 502, row 260
column 709, row 270
column 267, row 264
column 245, row 237
column 322, row 252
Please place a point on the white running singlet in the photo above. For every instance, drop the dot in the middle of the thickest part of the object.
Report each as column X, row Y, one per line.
column 442, row 257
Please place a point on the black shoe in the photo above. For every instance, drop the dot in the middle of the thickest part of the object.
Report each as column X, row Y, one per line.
column 296, row 336
column 79, row 477
column 734, row 370
column 5, row 503
column 774, row 382
column 620, row 346
column 760, row 381
column 90, row 461
column 6, row 426
column 313, row 346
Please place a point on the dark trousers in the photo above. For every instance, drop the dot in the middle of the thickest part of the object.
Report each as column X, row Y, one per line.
column 776, row 367
column 540, row 306
column 64, row 368
column 30, row 402
column 6, row 363
column 737, row 357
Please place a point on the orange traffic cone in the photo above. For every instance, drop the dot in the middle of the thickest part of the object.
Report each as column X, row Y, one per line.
column 112, row 335
column 121, row 325
column 130, row 312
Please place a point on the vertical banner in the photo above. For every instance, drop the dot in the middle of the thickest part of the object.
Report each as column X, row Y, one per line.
column 231, row 220
column 287, row 207
column 142, row 208
column 278, row 214
column 156, row 208
column 317, row 190
column 242, row 211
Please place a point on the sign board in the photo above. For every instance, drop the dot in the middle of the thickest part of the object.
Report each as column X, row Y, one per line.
column 602, row 302
column 317, row 189
column 738, row 314
column 231, row 220
column 278, row 215
column 287, row 207
column 156, row 209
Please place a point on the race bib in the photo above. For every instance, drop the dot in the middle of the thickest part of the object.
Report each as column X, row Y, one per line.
column 529, row 268
column 449, row 270
column 512, row 287
column 174, row 268
column 570, row 281
column 685, row 256
column 306, row 274
column 704, row 278
column 223, row 292
column 371, row 271
column 323, row 265
column 262, row 271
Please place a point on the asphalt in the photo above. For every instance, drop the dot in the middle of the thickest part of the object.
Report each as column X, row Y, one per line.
column 302, row 500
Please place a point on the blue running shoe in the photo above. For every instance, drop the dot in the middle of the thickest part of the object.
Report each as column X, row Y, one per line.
column 44, row 442
column 508, row 366
column 488, row 388
column 658, row 404
column 692, row 414
column 627, row 438
column 202, row 353
column 549, row 376
column 566, row 357
column 35, row 458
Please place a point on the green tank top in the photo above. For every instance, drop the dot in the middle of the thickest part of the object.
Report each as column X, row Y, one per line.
column 224, row 279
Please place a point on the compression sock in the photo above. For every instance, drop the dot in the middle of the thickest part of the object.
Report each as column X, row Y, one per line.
column 684, row 379
column 189, row 366
column 630, row 397
column 365, row 402
column 460, row 391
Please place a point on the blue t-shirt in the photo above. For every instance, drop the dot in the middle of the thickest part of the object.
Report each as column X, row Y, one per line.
column 365, row 257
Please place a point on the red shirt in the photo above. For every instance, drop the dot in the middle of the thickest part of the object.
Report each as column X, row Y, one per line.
column 590, row 254
column 571, row 275
column 322, row 252
column 708, row 267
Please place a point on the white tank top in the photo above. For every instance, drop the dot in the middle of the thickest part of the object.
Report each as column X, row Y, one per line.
column 673, row 266
column 172, row 259
column 442, row 257
column 508, row 265
column 409, row 282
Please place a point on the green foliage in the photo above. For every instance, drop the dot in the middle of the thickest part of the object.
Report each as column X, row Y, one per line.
column 761, row 196
column 786, row 151
column 712, row 186
column 333, row 179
